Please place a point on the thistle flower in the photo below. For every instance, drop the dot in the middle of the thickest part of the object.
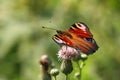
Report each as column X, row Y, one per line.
column 67, row 52
column 45, row 62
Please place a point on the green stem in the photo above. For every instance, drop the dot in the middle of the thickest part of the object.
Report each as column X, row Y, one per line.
column 55, row 78
column 80, row 66
column 79, row 70
column 66, row 77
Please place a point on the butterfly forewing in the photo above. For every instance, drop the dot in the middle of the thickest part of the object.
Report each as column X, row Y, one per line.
column 63, row 39
column 81, row 30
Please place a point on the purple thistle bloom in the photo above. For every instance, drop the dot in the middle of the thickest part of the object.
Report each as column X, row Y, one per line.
column 67, row 52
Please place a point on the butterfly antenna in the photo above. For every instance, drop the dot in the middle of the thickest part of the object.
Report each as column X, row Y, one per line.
column 48, row 28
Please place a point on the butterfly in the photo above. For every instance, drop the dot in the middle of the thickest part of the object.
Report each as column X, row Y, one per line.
column 77, row 36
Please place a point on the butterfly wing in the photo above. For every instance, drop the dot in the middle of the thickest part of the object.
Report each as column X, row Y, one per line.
column 79, row 37
column 83, row 39
column 63, row 38
column 80, row 29
column 84, row 45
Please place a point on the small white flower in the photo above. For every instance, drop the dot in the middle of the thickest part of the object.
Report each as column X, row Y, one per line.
column 67, row 52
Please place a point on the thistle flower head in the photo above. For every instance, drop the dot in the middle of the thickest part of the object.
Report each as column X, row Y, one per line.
column 45, row 62
column 67, row 52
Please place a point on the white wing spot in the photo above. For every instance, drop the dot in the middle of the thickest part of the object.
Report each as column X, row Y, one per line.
column 83, row 27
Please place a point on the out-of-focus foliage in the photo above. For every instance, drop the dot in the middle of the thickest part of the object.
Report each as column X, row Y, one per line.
column 23, row 41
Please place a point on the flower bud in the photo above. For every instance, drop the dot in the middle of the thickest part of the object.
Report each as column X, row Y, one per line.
column 66, row 67
column 82, row 65
column 84, row 57
column 77, row 75
column 54, row 72
column 77, row 57
column 45, row 62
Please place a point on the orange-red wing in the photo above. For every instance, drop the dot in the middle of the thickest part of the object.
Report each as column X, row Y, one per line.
column 81, row 30
column 82, row 44
column 76, row 42
column 78, row 37
column 63, row 39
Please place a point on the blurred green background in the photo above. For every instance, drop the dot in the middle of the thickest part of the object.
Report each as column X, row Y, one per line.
column 23, row 41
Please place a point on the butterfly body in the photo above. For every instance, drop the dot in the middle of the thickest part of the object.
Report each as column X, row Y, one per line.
column 78, row 37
